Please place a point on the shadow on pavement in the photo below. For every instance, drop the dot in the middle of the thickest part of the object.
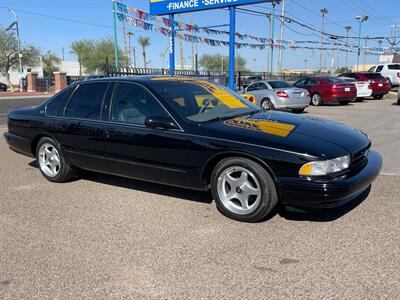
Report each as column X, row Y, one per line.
column 292, row 214
column 324, row 215
column 149, row 187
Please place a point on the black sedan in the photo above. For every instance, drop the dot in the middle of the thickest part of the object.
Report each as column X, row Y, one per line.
column 3, row 87
column 198, row 135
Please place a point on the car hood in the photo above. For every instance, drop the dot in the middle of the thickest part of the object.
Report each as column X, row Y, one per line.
column 290, row 132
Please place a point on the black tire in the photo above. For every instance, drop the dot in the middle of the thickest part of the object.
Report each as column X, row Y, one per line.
column 268, row 199
column 316, row 100
column 298, row 110
column 267, row 104
column 378, row 97
column 359, row 99
column 398, row 101
column 344, row 102
column 65, row 173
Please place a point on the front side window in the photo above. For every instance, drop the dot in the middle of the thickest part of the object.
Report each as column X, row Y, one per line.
column 133, row 104
column 379, row 68
column 87, row 100
column 202, row 101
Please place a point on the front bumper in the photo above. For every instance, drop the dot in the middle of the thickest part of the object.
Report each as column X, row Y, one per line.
column 329, row 193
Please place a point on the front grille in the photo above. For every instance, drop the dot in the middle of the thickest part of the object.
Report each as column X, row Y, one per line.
column 359, row 159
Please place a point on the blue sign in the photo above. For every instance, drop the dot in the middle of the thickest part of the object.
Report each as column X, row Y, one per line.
column 165, row 7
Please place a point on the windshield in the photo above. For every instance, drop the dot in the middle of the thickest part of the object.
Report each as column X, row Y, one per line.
column 202, row 101
column 279, row 84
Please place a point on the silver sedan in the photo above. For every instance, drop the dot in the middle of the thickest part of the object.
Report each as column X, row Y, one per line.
column 277, row 94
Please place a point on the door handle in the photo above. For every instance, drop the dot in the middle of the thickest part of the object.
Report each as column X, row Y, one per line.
column 109, row 132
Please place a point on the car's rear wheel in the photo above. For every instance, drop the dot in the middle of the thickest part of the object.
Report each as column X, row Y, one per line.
column 378, row 97
column 298, row 110
column 344, row 102
column 51, row 161
column 243, row 190
column 267, row 104
column 316, row 100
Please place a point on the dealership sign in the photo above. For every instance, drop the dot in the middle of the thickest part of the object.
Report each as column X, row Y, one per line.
column 165, row 7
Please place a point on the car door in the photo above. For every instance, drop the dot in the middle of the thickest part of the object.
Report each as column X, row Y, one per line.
column 138, row 151
column 80, row 129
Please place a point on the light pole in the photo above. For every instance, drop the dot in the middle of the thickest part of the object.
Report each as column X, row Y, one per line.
column 348, row 28
column 360, row 19
column 19, row 47
column 273, row 36
column 281, row 37
column 323, row 11
column 130, row 34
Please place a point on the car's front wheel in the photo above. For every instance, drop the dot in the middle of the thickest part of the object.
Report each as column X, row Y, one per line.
column 243, row 190
column 51, row 161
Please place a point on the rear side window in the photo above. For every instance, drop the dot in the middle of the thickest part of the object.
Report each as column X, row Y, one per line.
column 86, row 101
column 379, row 68
column 56, row 105
column 373, row 76
column 394, row 67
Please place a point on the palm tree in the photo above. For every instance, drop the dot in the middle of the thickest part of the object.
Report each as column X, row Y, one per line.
column 80, row 49
column 50, row 62
column 144, row 41
column 323, row 11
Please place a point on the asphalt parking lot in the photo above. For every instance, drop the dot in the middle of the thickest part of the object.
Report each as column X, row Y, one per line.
column 107, row 237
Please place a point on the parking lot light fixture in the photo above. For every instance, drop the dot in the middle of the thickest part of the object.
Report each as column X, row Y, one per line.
column 360, row 19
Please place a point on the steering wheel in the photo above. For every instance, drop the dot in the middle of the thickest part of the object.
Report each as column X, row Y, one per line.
column 206, row 103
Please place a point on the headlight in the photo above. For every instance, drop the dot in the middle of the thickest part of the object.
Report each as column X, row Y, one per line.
column 320, row 168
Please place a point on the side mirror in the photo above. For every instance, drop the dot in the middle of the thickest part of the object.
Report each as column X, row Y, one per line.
column 160, row 122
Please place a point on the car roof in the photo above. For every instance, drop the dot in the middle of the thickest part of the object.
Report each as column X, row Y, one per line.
column 144, row 78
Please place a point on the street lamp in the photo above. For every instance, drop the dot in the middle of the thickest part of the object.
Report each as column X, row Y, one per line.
column 19, row 46
column 360, row 19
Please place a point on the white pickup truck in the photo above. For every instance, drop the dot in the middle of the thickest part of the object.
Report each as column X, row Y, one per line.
column 389, row 71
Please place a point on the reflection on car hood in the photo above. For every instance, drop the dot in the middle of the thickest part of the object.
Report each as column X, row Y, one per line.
column 291, row 132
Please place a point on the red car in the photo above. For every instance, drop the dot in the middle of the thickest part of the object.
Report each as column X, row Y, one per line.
column 325, row 90
column 379, row 85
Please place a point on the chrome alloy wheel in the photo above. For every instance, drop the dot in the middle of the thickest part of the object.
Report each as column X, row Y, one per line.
column 266, row 105
column 239, row 190
column 49, row 160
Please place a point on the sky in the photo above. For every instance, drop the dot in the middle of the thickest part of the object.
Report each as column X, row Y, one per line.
column 55, row 24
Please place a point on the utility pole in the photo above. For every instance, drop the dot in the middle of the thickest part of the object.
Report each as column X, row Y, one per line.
column 333, row 38
column 348, row 28
column 272, row 37
column 365, row 50
column 193, row 55
column 360, row 19
column 62, row 53
column 323, row 11
column 281, row 37
column 269, row 41
column 123, row 34
column 181, row 63
column 130, row 34
column 134, row 57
